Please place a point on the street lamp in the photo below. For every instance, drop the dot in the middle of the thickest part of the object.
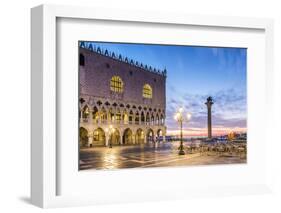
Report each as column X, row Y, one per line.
column 180, row 118
column 110, row 130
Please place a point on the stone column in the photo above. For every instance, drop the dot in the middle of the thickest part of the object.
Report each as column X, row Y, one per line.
column 145, row 138
column 134, row 138
column 99, row 114
column 114, row 120
column 134, row 117
column 209, row 104
column 154, row 137
column 122, row 119
column 90, row 116
column 108, row 117
column 107, row 138
column 90, row 140
column 164, row 135
column 121, row 136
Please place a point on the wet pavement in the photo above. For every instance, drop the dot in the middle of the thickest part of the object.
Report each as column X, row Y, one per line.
column 149, row 155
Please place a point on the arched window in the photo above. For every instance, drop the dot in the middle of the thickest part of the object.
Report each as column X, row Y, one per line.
column 85, row 112
column 116, row 84
column 81, row 60
column 147, row 91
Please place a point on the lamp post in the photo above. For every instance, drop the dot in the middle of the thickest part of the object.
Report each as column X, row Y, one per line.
column 110, row 130
column 180, row 118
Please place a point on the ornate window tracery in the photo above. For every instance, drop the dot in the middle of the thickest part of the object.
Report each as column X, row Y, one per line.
column 116, row 84
column 147, row 91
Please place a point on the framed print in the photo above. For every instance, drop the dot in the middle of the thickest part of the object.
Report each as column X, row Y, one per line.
column 149, row 106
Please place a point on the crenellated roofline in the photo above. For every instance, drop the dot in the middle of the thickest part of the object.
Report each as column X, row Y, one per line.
column 121, row 58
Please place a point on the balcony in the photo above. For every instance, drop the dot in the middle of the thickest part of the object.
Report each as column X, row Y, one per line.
column 120, row 122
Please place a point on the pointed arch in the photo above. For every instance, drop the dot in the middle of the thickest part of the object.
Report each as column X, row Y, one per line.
column 139, row 136
column 117, row 118
column 125, row 117
column 103, row 115
column 128, row 136
column 157, row 119
column 150, row 135
column 85, row 111
column 115, row 137
column 152, row 119
column 131, row 117
column 95, row 114
column 162, row 119
column 142, row 118
column 137, row 118
column 98, row 137
column 147, row 117
column 83, row 137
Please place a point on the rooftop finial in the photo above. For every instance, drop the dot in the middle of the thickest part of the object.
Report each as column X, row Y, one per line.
column 90, row 47
column 106, row 52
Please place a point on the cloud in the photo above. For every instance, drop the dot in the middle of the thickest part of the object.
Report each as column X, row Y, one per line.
column 230, row 59
column 229, row 109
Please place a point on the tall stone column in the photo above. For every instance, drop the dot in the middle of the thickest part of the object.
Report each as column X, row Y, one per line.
column 209, row 104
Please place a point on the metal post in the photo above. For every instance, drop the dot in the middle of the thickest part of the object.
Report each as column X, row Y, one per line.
column 181, row 152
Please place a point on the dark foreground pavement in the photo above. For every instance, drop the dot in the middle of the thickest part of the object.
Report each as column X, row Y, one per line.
column 149, row 155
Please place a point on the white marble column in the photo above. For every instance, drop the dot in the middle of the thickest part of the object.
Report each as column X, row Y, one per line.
column 90, row 140
column 107, row 138
column 145, row 138
column 134, row 138
column 121, row 136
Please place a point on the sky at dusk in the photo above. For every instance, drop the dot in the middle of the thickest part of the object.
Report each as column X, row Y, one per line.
column 193, row 74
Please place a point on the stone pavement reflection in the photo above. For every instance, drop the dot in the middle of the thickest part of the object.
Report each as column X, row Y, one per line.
column 148, row 155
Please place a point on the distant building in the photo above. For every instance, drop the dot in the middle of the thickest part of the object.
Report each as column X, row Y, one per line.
column 121, row 101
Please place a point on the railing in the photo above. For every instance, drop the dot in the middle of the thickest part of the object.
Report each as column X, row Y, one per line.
column 120, row 122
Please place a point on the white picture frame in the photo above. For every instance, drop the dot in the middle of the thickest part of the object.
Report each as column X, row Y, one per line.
column 44, row 149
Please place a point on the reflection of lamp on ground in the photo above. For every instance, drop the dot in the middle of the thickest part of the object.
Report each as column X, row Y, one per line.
column 180, row 118
column 110, row 130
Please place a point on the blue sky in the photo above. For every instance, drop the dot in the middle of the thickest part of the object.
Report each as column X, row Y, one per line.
column 193, row 74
